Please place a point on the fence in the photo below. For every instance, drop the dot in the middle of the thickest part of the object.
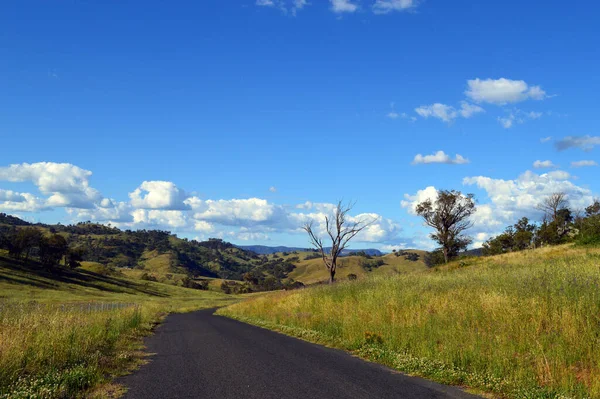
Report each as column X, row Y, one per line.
column 85, row 307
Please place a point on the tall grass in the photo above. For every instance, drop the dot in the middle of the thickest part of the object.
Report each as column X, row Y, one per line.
column 65, row 333
column 519, row 325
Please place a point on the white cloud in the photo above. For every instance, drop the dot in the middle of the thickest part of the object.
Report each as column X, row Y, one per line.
column 341, row 6
column 8, row 195
column 579, row 164
column 586, row 143
column 448, row 113
column 162, row 205
column 502, row 91
column 21, row 202
column 511, row 199
column 440, row 111
column 273, row 189
column 67, row 184
column 467, row 110
column 534, row 115
column 387, row 6
column 286, row 6
column 546, row 139
column 439, row 157
column 239, row 212
column 507, row 122
column 158, row 195
column 410, row 202
column 543, row 164
column 156, row 217
column 393, row 115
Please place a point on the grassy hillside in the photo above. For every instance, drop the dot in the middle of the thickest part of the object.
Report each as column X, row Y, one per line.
column 518, row 325
column 64, row 333
column 313, row 271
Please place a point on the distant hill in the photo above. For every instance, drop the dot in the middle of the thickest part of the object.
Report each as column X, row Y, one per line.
column 154, row 251
column 266, row 250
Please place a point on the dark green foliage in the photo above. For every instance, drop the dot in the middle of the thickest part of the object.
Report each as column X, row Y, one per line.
column 52, row 249
column 520, row 236
column 197, row 285
column 369, row 264
column 314, row 255
column 411, row 256
column 148, row 277
column 75, row 256
column 362, row 254
column 352, row 277
column 449, row 216
column 22, row 243
column 434, row 258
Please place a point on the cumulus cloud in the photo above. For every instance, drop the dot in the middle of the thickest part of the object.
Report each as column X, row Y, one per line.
column 502, row 91
column 8, row 195
column 21, row 202
column 163, row 205
column 387, row 6
column 440, row 157
column 579, row 164
column 448, row 113
column 343, row 6
column 586, row 143
column 410, row 202
column 512, row 199
column 543, row 164
column 66, row 184
column 158, row 195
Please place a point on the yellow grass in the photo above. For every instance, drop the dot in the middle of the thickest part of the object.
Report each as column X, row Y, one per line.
column 518, row 325
column 65, row 333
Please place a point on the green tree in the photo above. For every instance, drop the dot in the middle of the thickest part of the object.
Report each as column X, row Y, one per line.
column 449, row 216
column 24, row 241
column 52, row 249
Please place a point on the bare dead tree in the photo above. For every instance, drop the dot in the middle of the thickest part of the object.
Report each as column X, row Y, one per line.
column 449, row 216
column 340, row 231
column 552, row 204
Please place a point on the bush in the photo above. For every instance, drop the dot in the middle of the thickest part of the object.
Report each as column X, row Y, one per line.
column 148, row 277
column 352, row 277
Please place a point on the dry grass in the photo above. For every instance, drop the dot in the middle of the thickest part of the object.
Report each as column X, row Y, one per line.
column 57, row 340
column 518, row 325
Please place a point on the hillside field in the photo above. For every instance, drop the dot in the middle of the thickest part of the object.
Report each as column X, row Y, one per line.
column 519, row 325
column 313, row 271
column 66, row 333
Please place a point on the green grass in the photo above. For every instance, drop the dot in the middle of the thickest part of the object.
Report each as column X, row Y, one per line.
column 53, row 346
column 312, row 271
column 517, row 325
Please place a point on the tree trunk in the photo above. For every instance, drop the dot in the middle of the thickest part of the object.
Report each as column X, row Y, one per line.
column 445, row 255
column 331, row 276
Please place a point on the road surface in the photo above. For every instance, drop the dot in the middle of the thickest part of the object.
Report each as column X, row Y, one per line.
column 198, row 355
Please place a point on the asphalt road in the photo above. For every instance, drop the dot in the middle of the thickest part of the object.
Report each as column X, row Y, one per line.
column 198, row 355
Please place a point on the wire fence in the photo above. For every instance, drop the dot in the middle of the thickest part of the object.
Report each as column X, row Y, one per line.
column 82, row 307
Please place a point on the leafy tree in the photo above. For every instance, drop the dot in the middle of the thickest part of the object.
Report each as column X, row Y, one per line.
column 74, row 257
column 434, row 258
column 52, row 249
column 24, row 241
column 449, row 215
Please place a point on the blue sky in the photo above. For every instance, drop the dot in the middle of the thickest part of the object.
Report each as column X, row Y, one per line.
column 235, row 113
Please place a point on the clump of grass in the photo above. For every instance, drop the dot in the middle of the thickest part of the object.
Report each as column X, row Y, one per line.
column 518, row 325
column 52, row 351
